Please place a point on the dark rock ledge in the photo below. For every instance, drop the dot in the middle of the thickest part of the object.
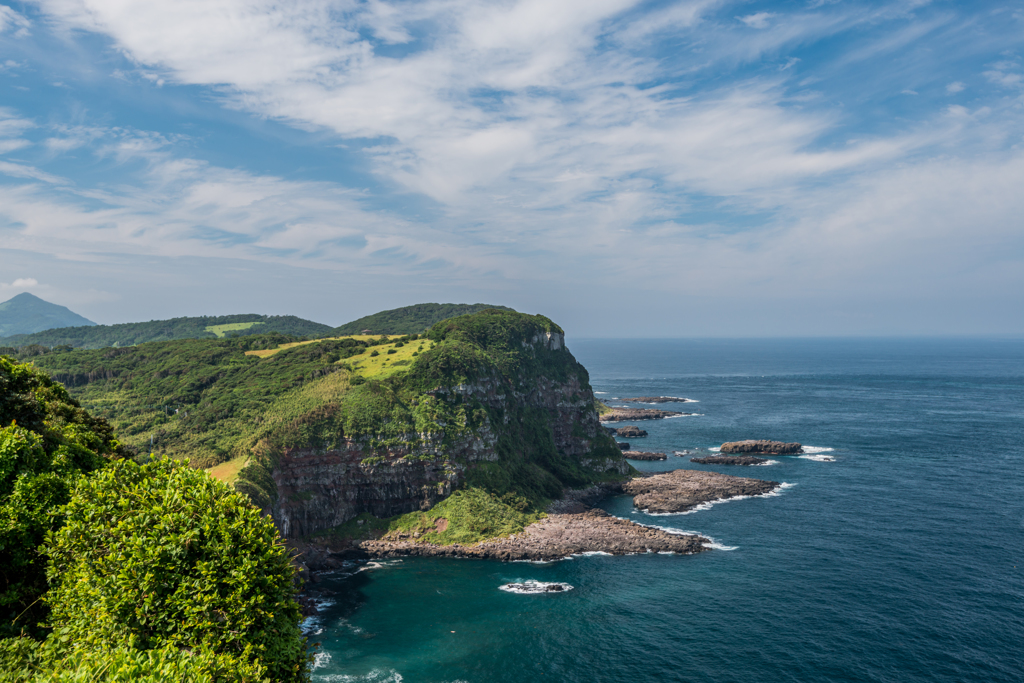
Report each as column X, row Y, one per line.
column 762, row 446
column 729, row 460
column 644, row 455
column 631, row 414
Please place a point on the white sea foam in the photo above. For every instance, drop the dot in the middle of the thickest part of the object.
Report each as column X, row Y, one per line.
column 321, row 659
column 766, row 463
column 669, row 417
column 817, row 449
column 375, row 676
column 683, row 532
column 591, row 553
column 777, row 491
column 715, row 449
column 600, row 392
column 535, row 588
column 817, row 458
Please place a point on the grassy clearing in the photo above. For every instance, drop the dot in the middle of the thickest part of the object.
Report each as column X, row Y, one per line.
column 466, row 517
column 390, row 359
column 266, row 353
column 228, row 471
column 221, row 330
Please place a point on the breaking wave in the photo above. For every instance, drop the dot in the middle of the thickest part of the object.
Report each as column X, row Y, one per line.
column 535, row 588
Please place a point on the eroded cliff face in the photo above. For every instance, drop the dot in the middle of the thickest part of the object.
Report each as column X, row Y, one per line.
column 319, row 489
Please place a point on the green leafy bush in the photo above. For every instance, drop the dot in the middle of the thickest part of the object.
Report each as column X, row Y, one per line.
column 162, row 556
column 23, row 660
column 46, row 443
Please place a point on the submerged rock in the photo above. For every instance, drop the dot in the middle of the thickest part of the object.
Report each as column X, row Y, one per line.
column 728, row 460
column 762, row 446
column 682, row 490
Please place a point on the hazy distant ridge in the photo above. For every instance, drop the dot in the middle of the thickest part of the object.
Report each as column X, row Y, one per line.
column 129, row 334
column 27, row 313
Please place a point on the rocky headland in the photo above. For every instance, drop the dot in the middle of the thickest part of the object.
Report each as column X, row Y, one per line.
column 630, row 414
column 762, row 446
column 657, row 399
column 729, row 460
column 682, row 490
column 644, row 455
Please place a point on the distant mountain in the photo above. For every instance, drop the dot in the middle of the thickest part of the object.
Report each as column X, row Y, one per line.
column 203, row 327
column 27, row 313
column 410, row 319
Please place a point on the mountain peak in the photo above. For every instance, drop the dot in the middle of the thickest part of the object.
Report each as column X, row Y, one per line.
column 26, row 313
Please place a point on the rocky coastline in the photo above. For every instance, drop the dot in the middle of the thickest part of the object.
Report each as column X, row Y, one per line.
column 629, row 431
column 729, row 460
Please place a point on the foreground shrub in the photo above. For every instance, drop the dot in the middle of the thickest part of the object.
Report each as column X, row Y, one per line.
column 23, row 660
column 47, row 441
column 161, row 556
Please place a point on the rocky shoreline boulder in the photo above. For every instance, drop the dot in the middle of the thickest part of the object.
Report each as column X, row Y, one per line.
column 762, row 446
column 657, row 399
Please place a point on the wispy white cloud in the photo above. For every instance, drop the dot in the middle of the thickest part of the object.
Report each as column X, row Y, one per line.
column 955, row 87
column 758, row 20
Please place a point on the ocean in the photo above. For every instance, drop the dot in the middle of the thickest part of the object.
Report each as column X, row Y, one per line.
column 895, row 552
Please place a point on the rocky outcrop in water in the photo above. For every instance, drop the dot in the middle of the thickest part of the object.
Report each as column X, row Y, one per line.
column 729, row 460
column 630, row 414
column 631, row 432
column 682, row 490
column 762, row 446
column 644, row 455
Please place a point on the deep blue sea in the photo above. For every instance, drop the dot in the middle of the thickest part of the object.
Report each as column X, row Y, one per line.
column 898, row 555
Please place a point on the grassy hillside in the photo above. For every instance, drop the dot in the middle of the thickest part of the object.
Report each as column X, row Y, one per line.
column 203, row 327
column 410, row 319
column 26, row 314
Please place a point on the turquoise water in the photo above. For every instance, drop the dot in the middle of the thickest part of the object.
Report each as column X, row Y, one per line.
column 900, row 560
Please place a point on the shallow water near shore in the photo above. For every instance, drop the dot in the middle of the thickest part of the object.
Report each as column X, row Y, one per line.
column 900, row 560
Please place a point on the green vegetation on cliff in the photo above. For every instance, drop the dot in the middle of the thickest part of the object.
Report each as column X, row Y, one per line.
column 410, row 319
column 203, row 327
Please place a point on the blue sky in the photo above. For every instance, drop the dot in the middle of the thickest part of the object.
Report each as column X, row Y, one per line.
column 628, row 168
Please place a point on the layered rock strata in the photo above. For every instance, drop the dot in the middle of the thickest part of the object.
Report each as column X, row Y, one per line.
column 762, row 446
column 729, row 460
column 682, row 490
